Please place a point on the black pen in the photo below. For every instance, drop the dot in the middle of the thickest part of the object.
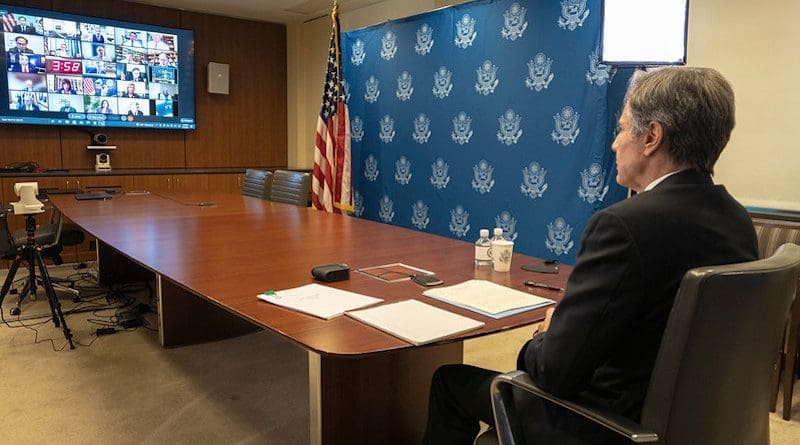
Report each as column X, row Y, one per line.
column 542, row 285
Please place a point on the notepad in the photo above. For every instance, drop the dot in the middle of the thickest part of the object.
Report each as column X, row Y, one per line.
column 318, row 300
column 488, row 298
column 415, row 322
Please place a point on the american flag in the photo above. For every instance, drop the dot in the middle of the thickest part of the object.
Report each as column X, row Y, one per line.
column 88, row 86
column 8, row 22
column 331, row 189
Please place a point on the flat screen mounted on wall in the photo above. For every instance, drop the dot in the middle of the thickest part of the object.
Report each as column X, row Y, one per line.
column 66, row 69
column 644, row 32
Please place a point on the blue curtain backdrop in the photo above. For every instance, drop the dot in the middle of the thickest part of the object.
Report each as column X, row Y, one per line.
column 486, row 114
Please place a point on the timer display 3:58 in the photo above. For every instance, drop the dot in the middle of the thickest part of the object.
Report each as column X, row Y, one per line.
column 64, row 66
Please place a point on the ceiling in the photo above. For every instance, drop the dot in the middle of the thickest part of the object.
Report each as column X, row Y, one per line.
column 279, row 11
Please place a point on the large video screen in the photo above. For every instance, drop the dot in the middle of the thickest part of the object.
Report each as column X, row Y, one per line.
column 66, row 69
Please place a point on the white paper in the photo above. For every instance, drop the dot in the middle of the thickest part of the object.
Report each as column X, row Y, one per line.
column 488, row 298
column 415, row 322
column 319, row 301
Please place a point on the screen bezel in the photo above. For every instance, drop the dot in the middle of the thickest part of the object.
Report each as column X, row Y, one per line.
column 186, row 101
column 641, row 63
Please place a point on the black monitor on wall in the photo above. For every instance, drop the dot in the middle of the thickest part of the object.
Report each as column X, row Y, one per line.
column 67, row 69
column 644, row 32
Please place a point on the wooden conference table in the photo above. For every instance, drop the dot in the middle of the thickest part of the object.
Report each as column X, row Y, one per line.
column 209, row 262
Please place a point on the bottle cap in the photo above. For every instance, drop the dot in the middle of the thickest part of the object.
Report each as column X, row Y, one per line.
column 484, row 233
column 498, row 231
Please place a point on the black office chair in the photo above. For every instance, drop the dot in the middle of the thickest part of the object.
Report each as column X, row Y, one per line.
column 291, row 188
column 257, row 183
column 711, row 377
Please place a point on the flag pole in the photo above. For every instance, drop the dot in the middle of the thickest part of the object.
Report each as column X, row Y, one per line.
column 335, row 27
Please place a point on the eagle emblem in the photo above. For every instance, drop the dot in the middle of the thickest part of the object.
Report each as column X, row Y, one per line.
column 465, row 31
column 514, row 23
column 441, row 83
column 462, row 131
column 388, row 45
column 439, row 176
column 558, row 237
column 424, row 40
column 487, row 78
column 419, row 215
column 566, row 126
column 404, row 88
column 459, row 221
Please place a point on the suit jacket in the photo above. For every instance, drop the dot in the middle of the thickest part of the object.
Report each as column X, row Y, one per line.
column 27, row 29
column 17, row 68
column 606, row 332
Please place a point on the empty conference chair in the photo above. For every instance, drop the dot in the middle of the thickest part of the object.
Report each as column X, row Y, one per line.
column 771, row 234
column 257, row 183
column 291, row 187
column 711, row 376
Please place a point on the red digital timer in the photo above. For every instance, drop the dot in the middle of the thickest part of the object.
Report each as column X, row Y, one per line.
column 58, row 66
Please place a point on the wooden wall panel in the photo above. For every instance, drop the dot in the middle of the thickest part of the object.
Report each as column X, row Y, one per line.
column 248, row 126
column 24, row 143
column 244, row 129
column 121, row 10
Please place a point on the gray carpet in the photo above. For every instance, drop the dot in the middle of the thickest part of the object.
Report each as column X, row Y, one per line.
column 126, row 389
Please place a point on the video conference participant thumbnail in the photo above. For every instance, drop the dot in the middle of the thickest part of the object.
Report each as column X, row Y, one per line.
column 91, row 32
column 166, row 108
column 64, row 103
column 63, row 48
column 133, row 90
column 27, row 82
column 65, row 29
column 99, row 87
column 100, row 105
column 132, row 38
column 133, row 72
column 27, row 63
column 61, row 84
column 163, row 91
column 134, row 107
column 131, row 55
column 97, row 51
column 100, row 68
column 27, row 101
column 23, row 24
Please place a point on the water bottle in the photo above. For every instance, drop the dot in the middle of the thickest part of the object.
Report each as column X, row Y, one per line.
column 482, row 247
column 498, row 234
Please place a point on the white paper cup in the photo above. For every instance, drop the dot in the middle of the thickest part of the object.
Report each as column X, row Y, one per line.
column 501, row 255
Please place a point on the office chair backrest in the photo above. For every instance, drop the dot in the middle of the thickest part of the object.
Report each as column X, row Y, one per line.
column 291, row 187
column 7, row 246
column 710, row 383
column 257, row 183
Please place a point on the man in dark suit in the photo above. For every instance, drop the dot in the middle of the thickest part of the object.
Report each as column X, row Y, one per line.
column 21, row 46
column 23, row 65
column 600, row 344
column 23, row 27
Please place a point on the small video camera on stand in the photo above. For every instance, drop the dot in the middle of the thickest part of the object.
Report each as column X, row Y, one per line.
column 102, row 159
column 31, row 254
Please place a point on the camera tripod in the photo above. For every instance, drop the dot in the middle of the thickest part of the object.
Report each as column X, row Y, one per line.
column 31, row 254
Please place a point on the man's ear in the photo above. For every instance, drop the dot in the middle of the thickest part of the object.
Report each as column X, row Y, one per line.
column 654, row 138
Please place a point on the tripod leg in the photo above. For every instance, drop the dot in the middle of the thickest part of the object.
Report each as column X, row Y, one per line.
column 31, row 271
column 12, row 271
column 55, row 305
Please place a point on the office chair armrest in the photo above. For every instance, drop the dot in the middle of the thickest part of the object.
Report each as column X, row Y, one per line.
column 508, row 425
